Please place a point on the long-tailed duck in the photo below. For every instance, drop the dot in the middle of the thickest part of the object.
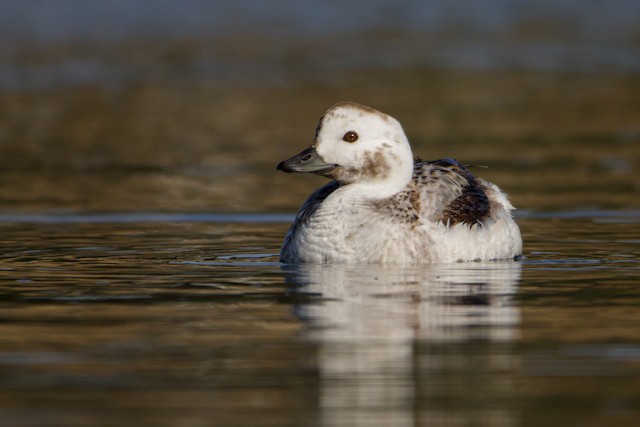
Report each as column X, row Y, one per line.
column 382, row 207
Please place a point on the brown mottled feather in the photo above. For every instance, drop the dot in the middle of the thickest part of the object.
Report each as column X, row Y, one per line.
column 403, row 207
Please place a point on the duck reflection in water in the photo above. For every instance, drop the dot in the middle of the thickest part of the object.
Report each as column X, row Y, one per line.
column 376, row 327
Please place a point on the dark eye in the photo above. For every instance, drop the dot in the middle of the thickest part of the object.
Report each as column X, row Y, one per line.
column 350, row 136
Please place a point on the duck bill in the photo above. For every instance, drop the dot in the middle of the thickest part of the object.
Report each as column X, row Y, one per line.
column 308, row 161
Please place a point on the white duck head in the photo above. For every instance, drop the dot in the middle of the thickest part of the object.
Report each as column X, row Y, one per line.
column 356, row 144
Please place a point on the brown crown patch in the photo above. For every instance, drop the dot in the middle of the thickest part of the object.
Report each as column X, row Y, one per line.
column 356, row 106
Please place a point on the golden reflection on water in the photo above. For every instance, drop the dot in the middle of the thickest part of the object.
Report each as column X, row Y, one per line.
column 164, row 323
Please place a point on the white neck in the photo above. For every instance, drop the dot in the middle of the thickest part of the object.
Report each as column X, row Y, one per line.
column 382, row 189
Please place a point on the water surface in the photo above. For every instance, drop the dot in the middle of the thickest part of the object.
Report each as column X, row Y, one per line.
column 190, row 320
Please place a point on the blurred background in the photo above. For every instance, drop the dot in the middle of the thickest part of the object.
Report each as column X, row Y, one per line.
column 158, row 110
column 156, row 105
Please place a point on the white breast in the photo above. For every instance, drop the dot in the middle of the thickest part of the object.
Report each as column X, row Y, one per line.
column 344, row 229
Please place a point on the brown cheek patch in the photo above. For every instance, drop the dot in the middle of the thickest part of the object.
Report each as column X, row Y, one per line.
column 375, row 165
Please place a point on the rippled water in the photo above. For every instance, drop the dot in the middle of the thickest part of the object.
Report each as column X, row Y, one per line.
column 114, row 316
column 190, row 320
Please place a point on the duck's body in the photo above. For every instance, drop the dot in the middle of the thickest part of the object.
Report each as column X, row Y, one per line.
column 383, row 208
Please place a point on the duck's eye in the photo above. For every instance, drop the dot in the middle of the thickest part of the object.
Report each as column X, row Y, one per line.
column 350, row 136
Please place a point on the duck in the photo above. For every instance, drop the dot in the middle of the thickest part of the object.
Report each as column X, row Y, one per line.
column 382, row 206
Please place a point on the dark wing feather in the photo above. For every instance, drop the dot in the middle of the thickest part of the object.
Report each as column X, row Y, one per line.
column 450, row 193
